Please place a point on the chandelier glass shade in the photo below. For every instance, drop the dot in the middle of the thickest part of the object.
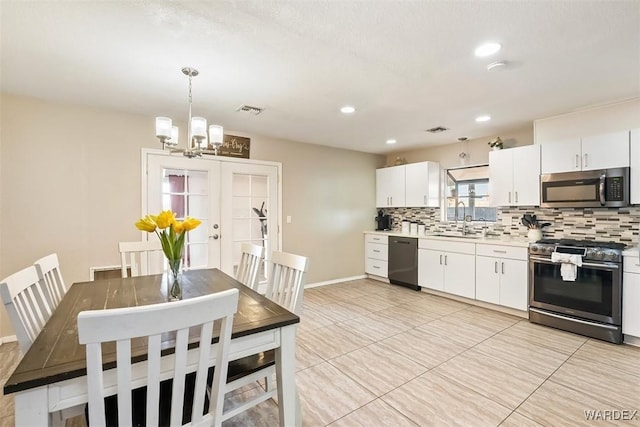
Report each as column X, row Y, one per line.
column 197, row 139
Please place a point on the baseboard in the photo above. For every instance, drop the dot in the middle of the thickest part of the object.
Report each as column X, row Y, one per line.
column 631, row 340
column 332, row 282
column 494, row 307
column 9, row 338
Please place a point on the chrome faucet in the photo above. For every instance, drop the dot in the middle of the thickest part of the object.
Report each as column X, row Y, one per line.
column 485, row 229
column 464, row 217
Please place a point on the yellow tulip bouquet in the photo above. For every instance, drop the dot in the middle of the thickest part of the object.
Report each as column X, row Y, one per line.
column 171, row 237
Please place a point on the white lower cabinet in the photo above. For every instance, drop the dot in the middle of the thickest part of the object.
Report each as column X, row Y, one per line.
column 631, row 297
column 501, row 275
column 447, row 267
column 376, row 250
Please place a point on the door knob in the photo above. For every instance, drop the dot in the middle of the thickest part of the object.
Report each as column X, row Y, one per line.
column 215, row 237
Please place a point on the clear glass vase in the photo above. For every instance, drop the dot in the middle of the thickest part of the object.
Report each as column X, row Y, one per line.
column 174, row 276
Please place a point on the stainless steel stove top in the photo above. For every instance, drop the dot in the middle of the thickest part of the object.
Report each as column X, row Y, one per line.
column 588, row 249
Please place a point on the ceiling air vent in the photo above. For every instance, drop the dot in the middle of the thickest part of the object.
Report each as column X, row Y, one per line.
column 437, row 129
column 251, row 110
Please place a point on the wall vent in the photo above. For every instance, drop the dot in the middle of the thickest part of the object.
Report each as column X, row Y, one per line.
column 250, row 109
column 437, row 129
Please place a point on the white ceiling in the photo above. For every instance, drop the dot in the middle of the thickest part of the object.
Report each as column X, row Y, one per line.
column 405, row 65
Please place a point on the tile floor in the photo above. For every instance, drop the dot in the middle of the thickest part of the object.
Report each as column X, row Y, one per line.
column 372, row 354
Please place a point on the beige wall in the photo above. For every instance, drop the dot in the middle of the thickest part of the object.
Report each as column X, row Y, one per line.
column 477, row 149
column 70, row 183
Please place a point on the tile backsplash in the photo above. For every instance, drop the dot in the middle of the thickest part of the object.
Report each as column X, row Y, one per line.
column 604, row 224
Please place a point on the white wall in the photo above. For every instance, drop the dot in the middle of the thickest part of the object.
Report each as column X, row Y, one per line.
column 477, row 150
column 592, row 121
column 70, row 183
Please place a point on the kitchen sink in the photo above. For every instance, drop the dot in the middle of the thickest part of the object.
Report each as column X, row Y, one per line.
column 457, row 236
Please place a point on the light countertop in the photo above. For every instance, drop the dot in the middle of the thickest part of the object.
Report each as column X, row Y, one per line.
column 493, row 240
column 632, row 252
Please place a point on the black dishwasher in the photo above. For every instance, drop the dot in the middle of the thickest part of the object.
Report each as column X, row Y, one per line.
column 403, row 261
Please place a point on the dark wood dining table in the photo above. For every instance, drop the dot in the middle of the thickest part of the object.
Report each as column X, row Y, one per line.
column 52, row 374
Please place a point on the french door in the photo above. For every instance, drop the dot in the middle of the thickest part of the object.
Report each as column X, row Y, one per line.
column 237, row 202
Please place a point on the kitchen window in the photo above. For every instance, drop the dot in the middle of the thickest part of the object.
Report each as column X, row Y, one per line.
column 467, row 194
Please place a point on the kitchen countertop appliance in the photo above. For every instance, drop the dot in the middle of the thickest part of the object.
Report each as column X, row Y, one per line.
column 403, row 261
column 383, row 222
column 591, row 304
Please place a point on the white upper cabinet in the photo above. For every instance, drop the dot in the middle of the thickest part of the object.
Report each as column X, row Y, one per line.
column 561, row 156
column 422, row 184
column 609, row 150
column 412, row 185
column 514, row 176
column 390, row 187
column 635, row 167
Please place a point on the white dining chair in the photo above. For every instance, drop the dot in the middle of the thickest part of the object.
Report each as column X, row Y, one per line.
column 122, row 325
column 30, row 297
column 26, row 303
column 136, row 256
column 249, row 267
column 285, row 286
column 48, row 269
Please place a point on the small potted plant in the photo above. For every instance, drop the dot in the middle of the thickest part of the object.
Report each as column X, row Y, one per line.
column 495, row 144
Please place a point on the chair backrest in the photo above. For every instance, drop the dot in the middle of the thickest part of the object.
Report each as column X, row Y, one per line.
column 123, row 324
column 249, row 266
column 26, row 304
column 48, row 269
column 135, row 254
column 286, row 280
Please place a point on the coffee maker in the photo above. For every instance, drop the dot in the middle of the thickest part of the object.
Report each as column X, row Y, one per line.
column 383, row 222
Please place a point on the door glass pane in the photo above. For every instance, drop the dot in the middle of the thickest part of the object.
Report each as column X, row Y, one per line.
column 198, row 182
column 249, row 215
column 259, row 186
column 197, row 207
column 185, row 193
column 242, row 207
column 196, row 255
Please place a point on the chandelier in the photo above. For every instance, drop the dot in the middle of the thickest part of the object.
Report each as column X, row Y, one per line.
column 197, row 142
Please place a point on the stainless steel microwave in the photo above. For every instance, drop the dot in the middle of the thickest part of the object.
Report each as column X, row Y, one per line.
column 595, row 188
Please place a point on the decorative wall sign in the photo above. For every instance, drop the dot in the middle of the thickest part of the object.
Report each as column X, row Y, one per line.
column 234, row 146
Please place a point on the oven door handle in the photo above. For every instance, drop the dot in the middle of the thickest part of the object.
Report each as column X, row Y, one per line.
column 602, row 266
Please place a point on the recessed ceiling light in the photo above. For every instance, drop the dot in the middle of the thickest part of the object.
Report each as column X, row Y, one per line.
column 348, row 109
column 487, row 49
column 391, row 141
column 483, row 118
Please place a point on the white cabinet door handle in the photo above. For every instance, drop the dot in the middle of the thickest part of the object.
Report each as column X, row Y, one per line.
column 424, row 199
column 516, row 197
column 496, row 266
column 445, row 260
column 509, row 196
column 440, row 259
column 577, row 161
column 586, row 160
column 503, row 268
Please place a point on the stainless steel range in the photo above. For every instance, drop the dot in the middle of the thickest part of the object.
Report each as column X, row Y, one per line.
column 586, row 300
